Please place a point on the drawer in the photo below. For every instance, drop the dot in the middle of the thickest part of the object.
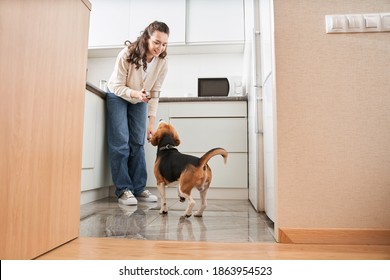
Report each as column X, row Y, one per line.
column 208, row 109
column 203, row 134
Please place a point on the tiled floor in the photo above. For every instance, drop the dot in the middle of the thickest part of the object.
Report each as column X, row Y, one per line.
column 222, row 221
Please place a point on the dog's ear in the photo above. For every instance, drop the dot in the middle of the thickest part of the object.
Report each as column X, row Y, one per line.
column 155, row 139
column 176, row 138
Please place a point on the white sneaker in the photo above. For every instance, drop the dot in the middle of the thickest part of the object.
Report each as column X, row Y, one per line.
column 147, row 196
column 127, row 198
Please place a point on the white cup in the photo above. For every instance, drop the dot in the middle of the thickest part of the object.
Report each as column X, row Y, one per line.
column 103, row 85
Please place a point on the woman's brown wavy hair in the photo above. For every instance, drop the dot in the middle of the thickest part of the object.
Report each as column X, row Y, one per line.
column 139, row 48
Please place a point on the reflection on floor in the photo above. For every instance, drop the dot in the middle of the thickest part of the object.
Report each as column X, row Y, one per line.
column 222, row 221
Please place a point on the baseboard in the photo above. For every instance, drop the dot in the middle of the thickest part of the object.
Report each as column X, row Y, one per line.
column 337, row 236
column 94, row 194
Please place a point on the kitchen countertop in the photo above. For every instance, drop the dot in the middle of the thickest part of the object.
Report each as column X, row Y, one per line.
column 202, row 99
column 102, row 94
column 94, row 89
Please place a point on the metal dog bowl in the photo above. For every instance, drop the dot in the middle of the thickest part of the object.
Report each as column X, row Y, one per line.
column 153, row 94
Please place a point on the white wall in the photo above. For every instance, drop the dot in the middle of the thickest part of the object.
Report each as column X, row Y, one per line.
column 184, row 70
column 99, row 69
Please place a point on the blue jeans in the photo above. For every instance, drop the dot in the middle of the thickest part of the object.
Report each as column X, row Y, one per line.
column 126, row 130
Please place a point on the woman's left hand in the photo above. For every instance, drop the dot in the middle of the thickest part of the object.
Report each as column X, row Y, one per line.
column 150, row 133
column 151, row 130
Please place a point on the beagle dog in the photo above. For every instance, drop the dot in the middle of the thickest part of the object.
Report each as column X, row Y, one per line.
column 186, row 171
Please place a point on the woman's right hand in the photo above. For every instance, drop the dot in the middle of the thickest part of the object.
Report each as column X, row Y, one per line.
column 139, row 94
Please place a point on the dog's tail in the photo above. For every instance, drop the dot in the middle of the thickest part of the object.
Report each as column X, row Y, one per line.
column 213, row 152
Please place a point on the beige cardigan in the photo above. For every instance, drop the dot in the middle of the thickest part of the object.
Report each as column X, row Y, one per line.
column 126, row 78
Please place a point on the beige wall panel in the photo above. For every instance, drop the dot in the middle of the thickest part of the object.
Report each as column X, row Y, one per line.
column 333, row 118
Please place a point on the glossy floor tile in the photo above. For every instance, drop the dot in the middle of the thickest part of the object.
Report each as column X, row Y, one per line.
column 222, row 221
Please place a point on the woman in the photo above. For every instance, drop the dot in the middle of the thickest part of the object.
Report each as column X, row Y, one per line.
column 141, row 66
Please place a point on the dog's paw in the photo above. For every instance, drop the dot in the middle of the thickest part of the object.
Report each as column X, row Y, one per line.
column 182, row 199
column 163, row 212
column 187, row 215
column 199, row 215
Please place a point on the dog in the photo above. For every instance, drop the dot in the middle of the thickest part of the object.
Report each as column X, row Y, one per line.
column 186, row 171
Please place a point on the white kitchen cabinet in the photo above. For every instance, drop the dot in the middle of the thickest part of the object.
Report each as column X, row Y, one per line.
column 89, row 132
column 205, row 125
column 200, row 134
column 172, row 12
column 193, row 24
column 114, row 22
column 95, row 171
column 208, row 109
column 215, row 21
column 109, row 23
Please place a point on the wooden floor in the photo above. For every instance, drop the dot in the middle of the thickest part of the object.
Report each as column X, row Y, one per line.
column 90, row 248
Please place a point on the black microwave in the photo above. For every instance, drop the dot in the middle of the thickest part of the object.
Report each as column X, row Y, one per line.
column 228, row 86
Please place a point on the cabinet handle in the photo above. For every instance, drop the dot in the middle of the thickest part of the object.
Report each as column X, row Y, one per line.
column 256, row 51
column 259, row 113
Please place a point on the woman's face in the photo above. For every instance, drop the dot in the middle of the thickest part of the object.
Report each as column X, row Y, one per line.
column 157, row 43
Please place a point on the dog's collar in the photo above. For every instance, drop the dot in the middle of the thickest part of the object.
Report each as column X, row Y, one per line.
column 167, row 147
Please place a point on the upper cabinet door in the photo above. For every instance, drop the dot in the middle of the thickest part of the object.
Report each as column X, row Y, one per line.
column 215, row 21
column 191, row 22
column 109, row 23
column 172, row 12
